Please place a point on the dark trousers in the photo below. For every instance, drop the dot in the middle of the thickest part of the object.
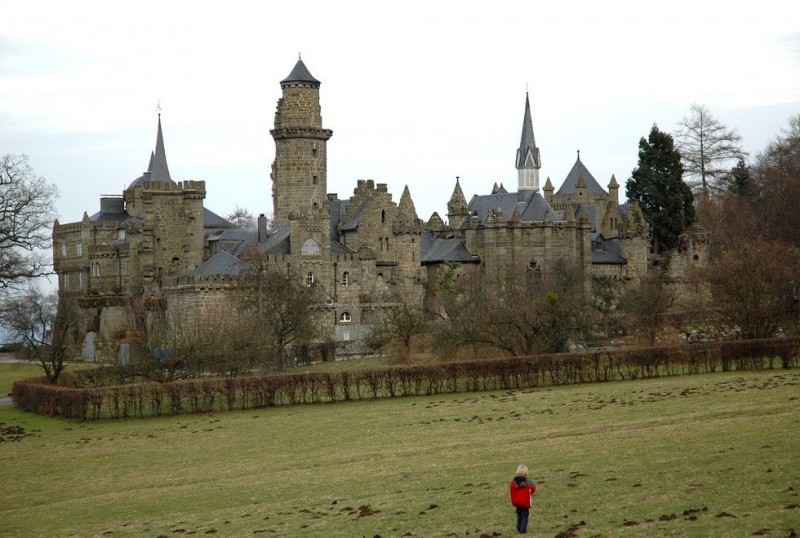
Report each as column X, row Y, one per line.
column 522, row 520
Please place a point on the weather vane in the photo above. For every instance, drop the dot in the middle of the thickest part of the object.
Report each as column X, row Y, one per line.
column 158, row 107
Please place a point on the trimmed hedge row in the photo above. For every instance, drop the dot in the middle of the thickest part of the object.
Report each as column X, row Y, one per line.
column 207, row 395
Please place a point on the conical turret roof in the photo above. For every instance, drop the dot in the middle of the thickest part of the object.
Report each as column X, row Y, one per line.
column 300, row 73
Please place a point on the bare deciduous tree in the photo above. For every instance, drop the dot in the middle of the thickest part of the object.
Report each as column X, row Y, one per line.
column 647, row 304
column 242, row 217
column 26, row 217
column 755, row 285
column 279, row 306
column 45, row 328
column 707, row 149
column 401, row 321
column 524, row 313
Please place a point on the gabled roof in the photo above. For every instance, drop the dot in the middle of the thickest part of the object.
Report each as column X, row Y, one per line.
column 212, row 220
column 580, row 171
column 300, row 73
column 531, row 208
column 452, row 249
column 221, row 263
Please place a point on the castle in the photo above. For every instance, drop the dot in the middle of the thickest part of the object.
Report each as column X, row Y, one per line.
column 158, row 240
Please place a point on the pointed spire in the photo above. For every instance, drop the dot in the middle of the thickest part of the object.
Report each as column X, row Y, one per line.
column 159, row 171
column 406, row 205
column 613, row 184
column 528, row 158
column 527, row 140
column 548, row 185
column 458, row 203
column 406, row 220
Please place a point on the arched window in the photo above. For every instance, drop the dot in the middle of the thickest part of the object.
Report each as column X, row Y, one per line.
column 310, row 248
column 345, row 279
column 383, row 215
column 344, row 317
column 309, row 278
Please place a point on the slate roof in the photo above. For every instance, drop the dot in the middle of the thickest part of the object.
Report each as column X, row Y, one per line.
column 590, row 210
column 212, row 220
column 157, row 169
column 222, row 263
column 356, row 218
column 578, row 170
column 109, row 213
column 438, row 249
column 609, row 253
column 527, row 144
column 300, row 73
column 531, row 207
column 277, row 241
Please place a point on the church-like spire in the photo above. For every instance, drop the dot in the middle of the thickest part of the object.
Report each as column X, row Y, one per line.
column 528, row 157
column 159, row 171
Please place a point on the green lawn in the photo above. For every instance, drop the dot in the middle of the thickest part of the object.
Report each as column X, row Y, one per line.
column 705, row 455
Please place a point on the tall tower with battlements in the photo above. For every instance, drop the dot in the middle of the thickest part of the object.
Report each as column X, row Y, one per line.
column 299, row 172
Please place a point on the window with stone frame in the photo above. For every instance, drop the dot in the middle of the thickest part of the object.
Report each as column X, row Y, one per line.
column 345, row 317
column 79, row 249
column 345, row 278
column 309, row 278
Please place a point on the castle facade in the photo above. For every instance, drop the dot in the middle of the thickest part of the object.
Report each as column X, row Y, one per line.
column 156, row 241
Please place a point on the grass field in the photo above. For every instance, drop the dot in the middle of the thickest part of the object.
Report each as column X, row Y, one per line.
column 705, row 455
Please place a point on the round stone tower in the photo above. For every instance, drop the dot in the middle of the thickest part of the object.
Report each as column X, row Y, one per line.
column 299, row 172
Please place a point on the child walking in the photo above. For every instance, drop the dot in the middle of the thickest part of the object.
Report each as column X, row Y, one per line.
column 521, row 491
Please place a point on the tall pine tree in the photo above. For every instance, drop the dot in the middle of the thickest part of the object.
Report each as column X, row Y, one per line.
column 657, row 184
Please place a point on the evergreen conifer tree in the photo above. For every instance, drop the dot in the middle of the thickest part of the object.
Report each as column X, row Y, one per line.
column 657, row 184
column 739, row 179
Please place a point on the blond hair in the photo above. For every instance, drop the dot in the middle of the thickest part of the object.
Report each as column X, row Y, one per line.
column 522, row 470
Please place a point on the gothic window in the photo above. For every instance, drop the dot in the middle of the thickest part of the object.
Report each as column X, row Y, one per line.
column 345, row 279
column 80, row 280
column 344, row 317
column 309, row 278
column 387, row 243
column 383, row 215
column 310, row 248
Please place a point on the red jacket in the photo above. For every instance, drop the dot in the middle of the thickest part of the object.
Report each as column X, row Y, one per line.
column 521, row 491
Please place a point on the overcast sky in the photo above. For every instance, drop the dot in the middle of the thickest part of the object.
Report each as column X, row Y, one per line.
column 416, row 93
